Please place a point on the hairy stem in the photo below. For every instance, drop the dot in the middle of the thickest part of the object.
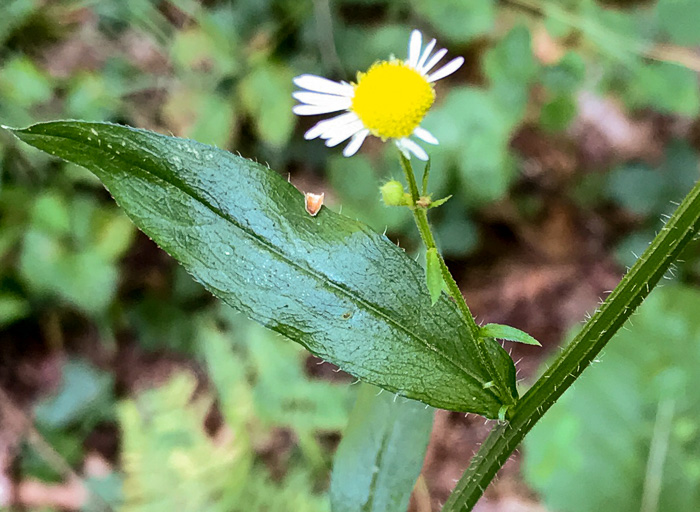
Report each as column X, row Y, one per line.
column 421, row 217
column 681, row 228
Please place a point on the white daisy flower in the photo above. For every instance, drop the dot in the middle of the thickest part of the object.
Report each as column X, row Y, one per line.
column 388, row 101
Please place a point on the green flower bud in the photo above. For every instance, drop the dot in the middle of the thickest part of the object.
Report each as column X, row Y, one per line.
column 393, row 194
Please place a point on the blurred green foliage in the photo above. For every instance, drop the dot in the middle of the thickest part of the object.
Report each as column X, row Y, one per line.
column 220, row 72
column 84, row 398
column 165, row 442
column 168, row 457
column 651, row 193
column 70, row 250
column 625, row 438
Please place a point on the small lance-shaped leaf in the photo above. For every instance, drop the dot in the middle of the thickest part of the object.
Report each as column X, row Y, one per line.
column 439, row 202
column 346, row 293
column 506, row 332
column 381, row 453
column 433, row 275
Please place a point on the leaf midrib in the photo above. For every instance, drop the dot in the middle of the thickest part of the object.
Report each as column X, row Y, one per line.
column 368, row 506
column 184, row 188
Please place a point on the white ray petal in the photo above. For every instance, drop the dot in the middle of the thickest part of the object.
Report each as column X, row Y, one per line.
column 355, row 143
column 343, row 133
column 425, row 135
column 414, row 148
column 426, row 54
column 314, row 110
column 433, row 61
column 414, row 46
column 321, row 128
column 399, row 144
column 320, row 84
column 331, row 131
column 315, row 98
column 447, row 69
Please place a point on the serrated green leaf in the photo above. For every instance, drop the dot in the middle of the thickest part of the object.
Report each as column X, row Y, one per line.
column 346, row 293
column 381, row 453
column 598, row 447
column 508, row 333
column 433, row 274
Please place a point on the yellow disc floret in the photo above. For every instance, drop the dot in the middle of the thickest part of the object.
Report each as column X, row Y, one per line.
column 391, row 99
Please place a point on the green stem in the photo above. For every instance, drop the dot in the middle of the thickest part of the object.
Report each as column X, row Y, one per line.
column 421, row 217
column 681, row 228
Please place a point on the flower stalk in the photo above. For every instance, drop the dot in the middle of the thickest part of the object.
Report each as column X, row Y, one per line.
column 420, row 215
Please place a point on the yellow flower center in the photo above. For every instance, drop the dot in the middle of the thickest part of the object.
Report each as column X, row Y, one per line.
column 391, row 99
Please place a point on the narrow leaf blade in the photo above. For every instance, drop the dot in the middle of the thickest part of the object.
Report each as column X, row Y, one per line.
column 346, row 293
column 506, row 332
column 440, row 202
column 433, row 275
column 381, row 453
